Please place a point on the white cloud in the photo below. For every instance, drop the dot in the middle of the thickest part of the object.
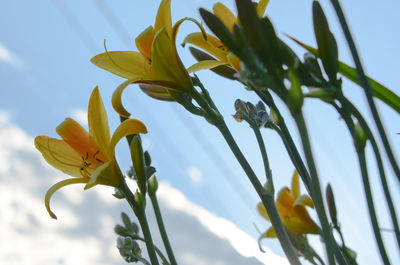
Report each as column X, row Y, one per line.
column 80, row 115
column 8, row 57
column 83, row 233
column 195, row 174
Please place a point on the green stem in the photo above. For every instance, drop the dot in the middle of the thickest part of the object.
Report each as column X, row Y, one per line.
column 140, row 214
column 371, row 207
column 316, row 188
column 367, row 88
column 379, row 162
column 266, row 198
column 160, row 254
column 264, row 154
column 161, row 227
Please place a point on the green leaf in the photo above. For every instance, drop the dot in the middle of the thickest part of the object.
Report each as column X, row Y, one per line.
column 380, row 91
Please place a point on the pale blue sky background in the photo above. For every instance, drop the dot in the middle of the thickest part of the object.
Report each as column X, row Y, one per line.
column 45, row 75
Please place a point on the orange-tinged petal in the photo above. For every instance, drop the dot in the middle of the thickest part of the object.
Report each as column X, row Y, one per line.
column 157, row 92
column 225, row 15
column 295, row 185
column 261, row 209
column 261, row 6
column 108, row 174
column 99, row 130
column 285, row 198
column 270, row 233
column 301, row 222
column 163, row 18
column 203, row 65
column 304, row 200
column 58, row 186
column 144, row 42
column 212, row 45
column 59, row 155
column 166, row 64
column 78, row 138
column 128, row 127
column 126, row 64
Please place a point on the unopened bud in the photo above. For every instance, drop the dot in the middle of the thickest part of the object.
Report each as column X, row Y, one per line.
column 260, row 106
column 140, row 200
column 295, row 95
column 120, row 230
column 274, row 117
column 152, row 186
column 331, row 205
column 359, row 137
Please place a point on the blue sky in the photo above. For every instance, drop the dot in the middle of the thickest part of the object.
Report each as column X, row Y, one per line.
column 45, row 47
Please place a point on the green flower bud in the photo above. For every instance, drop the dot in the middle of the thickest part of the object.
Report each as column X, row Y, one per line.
column 152, row 186
column 359, row 137
column 331, row 205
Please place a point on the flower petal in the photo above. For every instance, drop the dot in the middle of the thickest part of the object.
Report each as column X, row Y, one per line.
column 234, row 61
column 163, row 18
column 284, row 203
column 225, row 15
column 212, row 45
column 128, row 127
column 261, row 6
column 203, row 65
column 157, row 92
column 59, row 155
column 304, row 200
column 261, row 210
column 144, row 42
column 99, row 130
column 107, row 174
column 78, row 138
column 295, row 185
column 166, row 64
column 58, row 186
column 126, row 64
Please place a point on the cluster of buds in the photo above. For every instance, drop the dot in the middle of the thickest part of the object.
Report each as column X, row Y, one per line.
column 126, row 243
column 255, row 115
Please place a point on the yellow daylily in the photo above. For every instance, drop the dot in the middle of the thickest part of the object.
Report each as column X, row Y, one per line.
column 157, row 62
column 291, row 207
column 213, row 45
column 86, row 156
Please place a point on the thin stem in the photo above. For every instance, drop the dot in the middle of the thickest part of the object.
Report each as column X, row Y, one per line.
column 371, row 207
column 316, row 188
column 379, row 162
column 140, row 214
column 367, row 88
column 161, row 227
column 264, row 154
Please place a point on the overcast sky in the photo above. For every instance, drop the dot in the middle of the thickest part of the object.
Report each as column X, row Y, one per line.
column 45, row 75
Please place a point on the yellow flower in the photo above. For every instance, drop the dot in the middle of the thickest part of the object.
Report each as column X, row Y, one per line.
column 157, row 63
column 86, row 156
column 213, row 45
column 292, row 210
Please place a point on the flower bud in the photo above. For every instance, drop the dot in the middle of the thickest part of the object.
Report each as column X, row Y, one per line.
column 331, row 205
column 359, row 137
column 120, row 230
column 273, row 116
column 152, row 185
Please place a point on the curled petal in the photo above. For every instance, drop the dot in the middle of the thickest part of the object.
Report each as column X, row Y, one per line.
column 128, row 127
column 211, row 45
column 58, row 186
column 144, row 42
column 203, row 65
column 126, row 64
column 304, row 200
column 157, row 92
column 98, row 125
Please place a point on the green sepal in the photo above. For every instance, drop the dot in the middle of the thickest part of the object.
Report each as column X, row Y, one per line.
column 327, row 46
column 137, row 157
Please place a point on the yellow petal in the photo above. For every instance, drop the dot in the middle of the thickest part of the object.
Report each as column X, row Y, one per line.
column 284, row 203
column 270, row 233
column 203, row 65
column 261, row 6
column 58, row 186
column 212, row 45
column 295, row 185
column 301, row 222
column 107, row 174
column 98, row 125
column 59, row 155
column 234, row 61
column 261, row 209
column 126, row 64
column 144, row 42
column 225, row 15
column 78, row 138
column 163, row 19
column 157, row 92
column 128, row 127
column 116, row 99
column 304, row 200
column 166, row 64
